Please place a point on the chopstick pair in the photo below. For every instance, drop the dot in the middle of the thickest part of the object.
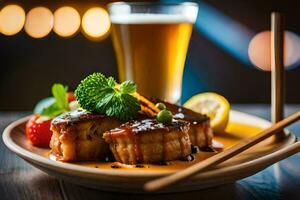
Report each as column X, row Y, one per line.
column 221, row 157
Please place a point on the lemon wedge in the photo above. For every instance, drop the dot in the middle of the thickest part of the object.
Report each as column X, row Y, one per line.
column 215, row 106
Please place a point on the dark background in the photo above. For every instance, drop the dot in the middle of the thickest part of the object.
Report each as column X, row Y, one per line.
column 28, row 67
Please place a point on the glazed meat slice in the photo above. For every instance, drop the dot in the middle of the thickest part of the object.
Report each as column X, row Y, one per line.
column 148, row 141
column 200, row 132
column 77, row 136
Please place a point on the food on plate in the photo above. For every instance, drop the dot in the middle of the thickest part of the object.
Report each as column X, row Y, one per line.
column 38, row 127
column 38, row 131
column 164, row 116
column 136, row 129
column 99, row 94
column 215, row 106
column 149, row 141
column 77, row 135
column 200, row 132
column 103, row 119
column 70, row 97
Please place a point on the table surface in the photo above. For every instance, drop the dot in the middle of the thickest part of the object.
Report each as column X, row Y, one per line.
column 19, row 180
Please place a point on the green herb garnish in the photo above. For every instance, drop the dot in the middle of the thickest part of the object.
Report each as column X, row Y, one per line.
column 60, row 104
column 97, row 93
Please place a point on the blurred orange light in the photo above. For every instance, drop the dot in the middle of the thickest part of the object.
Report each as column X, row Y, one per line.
column 12, row 18
column 96, row 23
column 260, row 49
column 39, row 22
column 66, row 21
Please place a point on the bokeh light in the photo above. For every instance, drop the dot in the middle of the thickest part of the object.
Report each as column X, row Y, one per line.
column 66, row 21
column 260, row 50
column 12, row 19
column 96, row 23
column 292, row 50
column 39, row 22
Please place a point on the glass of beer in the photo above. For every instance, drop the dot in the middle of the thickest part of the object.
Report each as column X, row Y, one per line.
column 151, row 42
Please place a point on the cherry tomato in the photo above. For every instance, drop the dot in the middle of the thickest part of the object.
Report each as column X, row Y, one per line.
column 38, row 131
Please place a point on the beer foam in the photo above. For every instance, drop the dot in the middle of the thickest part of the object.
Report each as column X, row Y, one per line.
column 145, row 18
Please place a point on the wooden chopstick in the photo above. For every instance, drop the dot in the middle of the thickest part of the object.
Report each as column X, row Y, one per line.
column 277, row 69
column 221, row 157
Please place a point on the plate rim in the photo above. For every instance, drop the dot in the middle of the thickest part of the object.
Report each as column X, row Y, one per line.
column 43, row 161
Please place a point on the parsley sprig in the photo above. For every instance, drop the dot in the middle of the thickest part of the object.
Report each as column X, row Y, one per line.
column 100, row 94
column 60, row 104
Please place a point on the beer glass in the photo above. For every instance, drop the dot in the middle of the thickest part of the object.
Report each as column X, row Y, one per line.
column 151, row 41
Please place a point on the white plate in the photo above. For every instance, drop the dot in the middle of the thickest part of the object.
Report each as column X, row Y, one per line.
column 243, row 165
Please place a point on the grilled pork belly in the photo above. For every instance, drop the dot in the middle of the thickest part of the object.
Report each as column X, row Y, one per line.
column 77, row 135
column 200, row 132
column 148, row 141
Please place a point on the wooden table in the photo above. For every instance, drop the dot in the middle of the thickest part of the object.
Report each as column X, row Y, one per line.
column 19, row 180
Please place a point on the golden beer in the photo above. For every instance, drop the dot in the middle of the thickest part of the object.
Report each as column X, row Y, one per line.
column 151, row 50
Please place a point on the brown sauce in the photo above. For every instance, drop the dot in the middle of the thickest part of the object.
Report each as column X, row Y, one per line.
column 234, row 133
